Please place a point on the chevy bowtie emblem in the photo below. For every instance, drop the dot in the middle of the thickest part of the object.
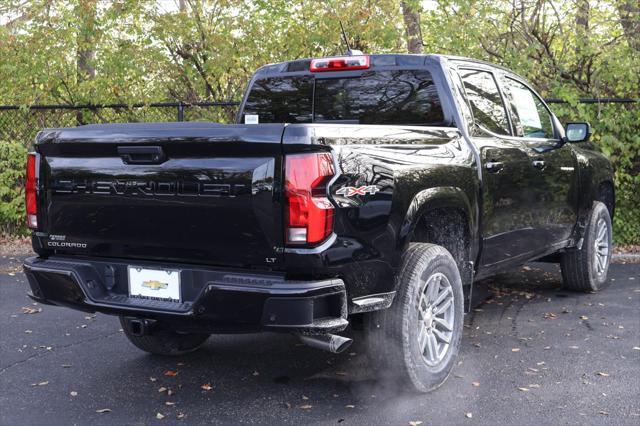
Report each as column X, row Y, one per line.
column 350, row 191
column 155, row 285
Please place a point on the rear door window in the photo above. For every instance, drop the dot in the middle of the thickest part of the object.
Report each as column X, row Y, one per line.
column 486, row 103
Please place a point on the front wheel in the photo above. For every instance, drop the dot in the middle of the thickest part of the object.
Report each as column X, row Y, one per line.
column 417, row 339
column 586, row 269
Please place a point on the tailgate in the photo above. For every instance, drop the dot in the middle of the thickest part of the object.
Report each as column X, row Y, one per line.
column 184, row 192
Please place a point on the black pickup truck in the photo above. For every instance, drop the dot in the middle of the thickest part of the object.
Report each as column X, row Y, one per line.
column 364, row 189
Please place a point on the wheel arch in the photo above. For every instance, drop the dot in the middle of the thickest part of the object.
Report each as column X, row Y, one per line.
column 605, row 192
column 444, row 216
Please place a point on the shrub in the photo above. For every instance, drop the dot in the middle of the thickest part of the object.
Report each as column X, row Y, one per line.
column 616, row 131
column 13, row 157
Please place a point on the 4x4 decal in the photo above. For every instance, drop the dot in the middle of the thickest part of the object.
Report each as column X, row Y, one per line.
column 350, row 191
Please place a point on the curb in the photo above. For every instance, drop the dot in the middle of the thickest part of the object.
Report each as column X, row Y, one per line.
column 626, row 257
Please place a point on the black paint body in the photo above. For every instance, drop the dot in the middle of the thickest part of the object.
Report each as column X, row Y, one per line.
column 207, row 199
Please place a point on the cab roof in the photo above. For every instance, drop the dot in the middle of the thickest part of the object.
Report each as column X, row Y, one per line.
column 377, row 60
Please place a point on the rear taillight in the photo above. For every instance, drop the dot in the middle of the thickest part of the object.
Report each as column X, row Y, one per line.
column 309, row 212
column 342, row 63
column 30, row 192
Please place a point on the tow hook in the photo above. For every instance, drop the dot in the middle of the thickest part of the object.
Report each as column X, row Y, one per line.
column 139, row 326
column 327, row 342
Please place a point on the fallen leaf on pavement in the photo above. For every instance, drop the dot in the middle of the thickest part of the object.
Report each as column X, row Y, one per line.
column 476, row 384
column 523, row 389
column 170, row 373
column 153, row 379
column 180, row 415
column 602, row 373
column 584, row 317
column 415, row 423
column 169, row 403
column 28, row 310
column 306, row 407
column 515, row 349
column 73, row 393
column 162, row 389
column 206, row 387
column 103, row 410
column 159, row 416
column 468, row 415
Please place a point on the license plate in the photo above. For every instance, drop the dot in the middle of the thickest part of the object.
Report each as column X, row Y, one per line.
column 158, row 284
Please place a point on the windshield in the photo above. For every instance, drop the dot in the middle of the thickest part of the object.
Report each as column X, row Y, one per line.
column 406, row 97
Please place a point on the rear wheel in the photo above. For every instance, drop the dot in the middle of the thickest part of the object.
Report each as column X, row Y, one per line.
column 164, row 342
column 586, row 269
column 417, row 339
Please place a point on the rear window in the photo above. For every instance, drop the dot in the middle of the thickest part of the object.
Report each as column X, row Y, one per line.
column 280, row 100
column 407, row 97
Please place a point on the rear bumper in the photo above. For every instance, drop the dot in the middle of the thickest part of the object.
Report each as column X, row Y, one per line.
column 213, row 300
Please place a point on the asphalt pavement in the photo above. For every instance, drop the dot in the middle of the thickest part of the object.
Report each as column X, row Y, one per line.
column 532, row 353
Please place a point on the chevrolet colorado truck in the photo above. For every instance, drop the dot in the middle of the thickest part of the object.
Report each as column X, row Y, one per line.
column 363, row 189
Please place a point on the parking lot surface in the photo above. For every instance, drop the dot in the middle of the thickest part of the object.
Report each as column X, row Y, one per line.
column 531, row 353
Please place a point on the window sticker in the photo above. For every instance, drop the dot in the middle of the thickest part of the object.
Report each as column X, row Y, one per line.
column 251, row 119
column 526, row 106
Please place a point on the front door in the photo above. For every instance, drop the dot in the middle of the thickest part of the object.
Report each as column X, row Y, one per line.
column 552, row 173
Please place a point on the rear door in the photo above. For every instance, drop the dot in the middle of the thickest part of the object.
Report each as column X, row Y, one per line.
column 507, row 225
column 183, row 192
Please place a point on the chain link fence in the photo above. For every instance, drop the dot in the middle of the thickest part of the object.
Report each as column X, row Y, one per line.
column 23, row 123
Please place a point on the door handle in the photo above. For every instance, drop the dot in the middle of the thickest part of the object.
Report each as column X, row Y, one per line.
column 494, row 166
column 538, row 164
column 141, row 154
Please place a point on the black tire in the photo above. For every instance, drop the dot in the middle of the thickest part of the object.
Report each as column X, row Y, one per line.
column 392, row 334
column 164, row 342
column 581, row 270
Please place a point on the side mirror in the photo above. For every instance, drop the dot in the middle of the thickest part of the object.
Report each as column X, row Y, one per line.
column 578, row 132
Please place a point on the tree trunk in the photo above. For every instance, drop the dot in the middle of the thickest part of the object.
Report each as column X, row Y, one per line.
column 629, row 13
column 411, row 16
column 86, row 54
column 86, row 11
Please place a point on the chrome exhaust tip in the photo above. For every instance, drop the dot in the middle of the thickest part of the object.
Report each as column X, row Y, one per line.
column 327, row 342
